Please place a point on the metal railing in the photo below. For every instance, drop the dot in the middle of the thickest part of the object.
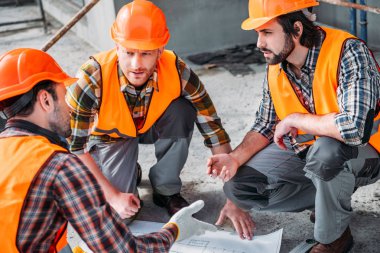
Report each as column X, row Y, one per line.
column 41, row 19
column 363, row 7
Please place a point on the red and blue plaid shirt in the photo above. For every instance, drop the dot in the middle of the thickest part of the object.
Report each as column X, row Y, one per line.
column 65, row 190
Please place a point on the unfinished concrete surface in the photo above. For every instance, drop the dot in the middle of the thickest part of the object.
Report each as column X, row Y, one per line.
column 236, row 99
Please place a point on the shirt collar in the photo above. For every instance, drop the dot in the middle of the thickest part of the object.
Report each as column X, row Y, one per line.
column 37, row 130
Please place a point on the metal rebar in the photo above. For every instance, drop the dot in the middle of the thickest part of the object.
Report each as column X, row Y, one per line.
column 372, row 9
column 353, row 30
column 43, row 17
column 363, row 22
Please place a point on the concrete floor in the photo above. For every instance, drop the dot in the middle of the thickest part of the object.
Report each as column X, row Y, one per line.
column 236, row 99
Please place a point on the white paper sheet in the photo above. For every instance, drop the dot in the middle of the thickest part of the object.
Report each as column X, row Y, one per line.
column 213, row 242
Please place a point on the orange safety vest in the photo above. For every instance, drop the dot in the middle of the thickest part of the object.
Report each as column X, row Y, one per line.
column 325, row 84
column 114, row 117
column 22, row 158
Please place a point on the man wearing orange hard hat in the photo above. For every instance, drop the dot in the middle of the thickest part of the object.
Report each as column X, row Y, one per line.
column 316, row 134
column 137, row 93
column 43, row 186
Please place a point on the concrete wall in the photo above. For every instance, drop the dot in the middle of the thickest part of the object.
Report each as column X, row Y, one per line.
column 203, row 25
column 94, row 27
column 339, row 17
column 196, row 25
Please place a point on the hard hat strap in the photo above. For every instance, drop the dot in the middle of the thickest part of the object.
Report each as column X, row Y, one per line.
column 12, row 110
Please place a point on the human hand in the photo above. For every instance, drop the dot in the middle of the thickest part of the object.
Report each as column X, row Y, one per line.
column 241, row 220
column 125, row 204
column 187, row 225
column 223, row 166
column 284, row 127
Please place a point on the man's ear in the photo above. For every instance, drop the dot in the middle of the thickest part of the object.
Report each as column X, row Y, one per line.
column 45, row 101
column 298, row 27
column 160, row 51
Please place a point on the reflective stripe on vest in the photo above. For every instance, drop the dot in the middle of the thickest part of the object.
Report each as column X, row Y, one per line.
column 325, row 83
column 21, row 160
column 114, row 117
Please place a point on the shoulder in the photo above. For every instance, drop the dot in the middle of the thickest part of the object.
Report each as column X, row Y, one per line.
column 90, row 68
column 184, row 70
column 356, row 50
column 66, row 162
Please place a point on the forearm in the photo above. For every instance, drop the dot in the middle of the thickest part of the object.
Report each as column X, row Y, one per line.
column 252, row 143
column 318, row 125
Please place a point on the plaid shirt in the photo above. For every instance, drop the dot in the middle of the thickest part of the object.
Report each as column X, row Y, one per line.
column 358, row 92
column 84, row 98
column 65, row 190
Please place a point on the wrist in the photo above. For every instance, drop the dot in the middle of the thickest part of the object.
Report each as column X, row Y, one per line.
column 235, row 159
column 172, row 226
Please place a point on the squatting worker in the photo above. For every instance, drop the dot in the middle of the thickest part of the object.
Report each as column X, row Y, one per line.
column 138, row 92
column 43, row 186
column 316, row 134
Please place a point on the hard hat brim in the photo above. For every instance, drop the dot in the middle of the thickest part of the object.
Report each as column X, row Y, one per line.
column 254, row 23
column 22, row 88
column 142, row 44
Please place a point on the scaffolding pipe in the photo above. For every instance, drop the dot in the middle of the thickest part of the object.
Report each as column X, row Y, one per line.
column 353, row 30
column 363, row 22
column 375, row 10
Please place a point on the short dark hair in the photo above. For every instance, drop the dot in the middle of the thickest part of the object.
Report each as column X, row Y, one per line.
column 46, row 85
column 311, row 34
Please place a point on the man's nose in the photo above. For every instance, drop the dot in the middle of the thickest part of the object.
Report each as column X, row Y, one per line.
column 260, row 41
column 136, row 61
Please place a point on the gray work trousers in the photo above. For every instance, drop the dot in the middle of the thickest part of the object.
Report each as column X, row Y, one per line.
column 171, row 136
column 275, row 180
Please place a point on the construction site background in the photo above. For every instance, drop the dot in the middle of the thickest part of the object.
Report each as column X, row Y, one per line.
column 236, row 97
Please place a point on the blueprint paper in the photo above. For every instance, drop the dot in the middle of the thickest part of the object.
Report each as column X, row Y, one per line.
column 212, row 242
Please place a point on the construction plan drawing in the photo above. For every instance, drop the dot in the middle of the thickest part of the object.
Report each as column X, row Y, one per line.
column 215, row 242
column 211, row 242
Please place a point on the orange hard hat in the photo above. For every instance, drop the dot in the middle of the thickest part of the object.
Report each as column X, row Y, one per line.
column 262, row 11
column 140, row 25
column 21, row 69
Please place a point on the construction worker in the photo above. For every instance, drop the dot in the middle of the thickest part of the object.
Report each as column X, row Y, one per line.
column 43, row 186
column 308, row 146
column 138, row 92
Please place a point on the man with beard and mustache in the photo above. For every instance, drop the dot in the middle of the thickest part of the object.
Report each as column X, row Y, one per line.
column 137, row 93
column 44, row 186
column 307, row 148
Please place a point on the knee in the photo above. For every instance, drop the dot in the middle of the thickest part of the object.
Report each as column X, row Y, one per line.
column 178, row 119
column 327, row 150
column 181, row 110
column 231, row 190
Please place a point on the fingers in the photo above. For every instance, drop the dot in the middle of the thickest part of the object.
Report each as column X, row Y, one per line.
column 280, row 142
column 294, row 132
column 248, row 226
column 209, row 166
column 222, row 173
column 135, row 201
column 238, row 227
column 221, row 219
column 211, row 170
column 225, row 174
column 196, row 206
